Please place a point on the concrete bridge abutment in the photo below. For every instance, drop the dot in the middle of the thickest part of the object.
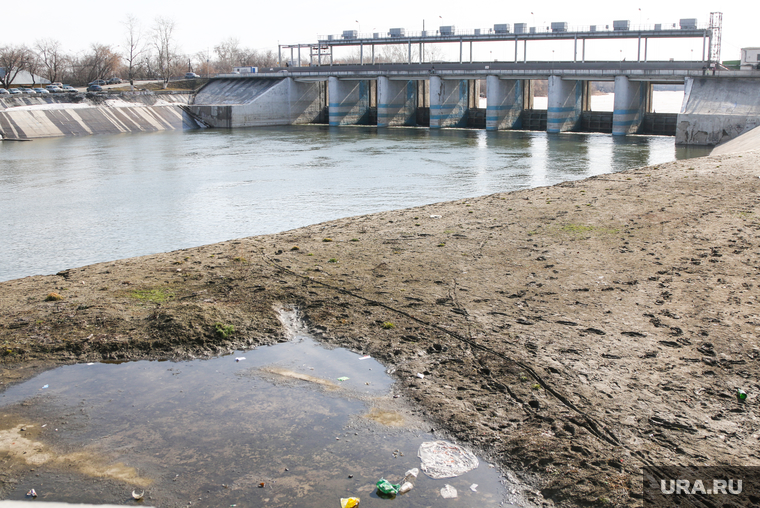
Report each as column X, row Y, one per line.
column 396, row 102
column 632, row 102
column 349, row 101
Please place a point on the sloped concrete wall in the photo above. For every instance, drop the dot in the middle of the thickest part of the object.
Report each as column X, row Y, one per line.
column 258, row 102
column 40, row 118
column 715, row 110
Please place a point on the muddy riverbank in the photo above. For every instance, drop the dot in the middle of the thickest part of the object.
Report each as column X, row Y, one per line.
column 573, row 333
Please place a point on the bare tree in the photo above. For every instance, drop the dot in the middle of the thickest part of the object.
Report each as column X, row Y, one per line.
column 52, row 60
column 163, row 43
column 13, row 59
column 228, row 55
column 99, row 63
column 134, row 48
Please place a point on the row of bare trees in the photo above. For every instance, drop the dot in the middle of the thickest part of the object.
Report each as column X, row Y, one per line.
column 145, row 54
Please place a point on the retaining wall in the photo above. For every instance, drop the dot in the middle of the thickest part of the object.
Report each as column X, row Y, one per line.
column 716, row 110
column 229, row 103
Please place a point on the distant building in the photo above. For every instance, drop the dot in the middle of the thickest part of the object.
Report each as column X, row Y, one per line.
column 750, row 59
column 25, row 78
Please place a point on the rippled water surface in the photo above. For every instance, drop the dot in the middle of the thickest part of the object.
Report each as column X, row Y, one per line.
column 68, row 202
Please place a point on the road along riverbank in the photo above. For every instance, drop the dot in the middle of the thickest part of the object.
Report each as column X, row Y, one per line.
column 573, row 333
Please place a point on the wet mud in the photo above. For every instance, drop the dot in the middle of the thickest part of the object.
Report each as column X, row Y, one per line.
column 572, row 334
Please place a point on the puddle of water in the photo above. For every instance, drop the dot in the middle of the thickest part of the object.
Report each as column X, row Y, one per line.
column 210, row 432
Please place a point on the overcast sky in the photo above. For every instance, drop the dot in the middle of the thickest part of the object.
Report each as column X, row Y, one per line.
column 264, row 25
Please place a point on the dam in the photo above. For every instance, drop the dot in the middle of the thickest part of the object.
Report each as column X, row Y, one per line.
column 719, row 104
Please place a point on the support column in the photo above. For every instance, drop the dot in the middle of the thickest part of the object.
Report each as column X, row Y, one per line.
column 565, row 104
column 505, row 103
column 349, row 102
column 631, row 103
column 396, row 102
column 448, row 102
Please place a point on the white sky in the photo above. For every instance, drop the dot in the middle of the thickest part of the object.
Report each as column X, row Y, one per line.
column 262, row 25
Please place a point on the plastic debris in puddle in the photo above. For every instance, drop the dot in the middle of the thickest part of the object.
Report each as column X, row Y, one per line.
column 448, row 492
column 349, row 502
column 441, row 459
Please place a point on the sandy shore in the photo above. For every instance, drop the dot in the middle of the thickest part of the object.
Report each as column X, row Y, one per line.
column 573, row 333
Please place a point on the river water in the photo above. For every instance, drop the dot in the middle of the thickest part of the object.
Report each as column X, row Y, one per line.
column 68, row 202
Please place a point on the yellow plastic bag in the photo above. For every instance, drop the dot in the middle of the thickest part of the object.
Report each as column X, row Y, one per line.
column 349, row 502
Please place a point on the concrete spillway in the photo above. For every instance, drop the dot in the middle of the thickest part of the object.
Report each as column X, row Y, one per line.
column 44, row 117
column 253, row 102
column 716, row 110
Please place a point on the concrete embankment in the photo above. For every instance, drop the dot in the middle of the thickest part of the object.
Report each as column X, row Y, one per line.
column 79, row 115
column 254, row 102
column 748, row 141
column 716, row 110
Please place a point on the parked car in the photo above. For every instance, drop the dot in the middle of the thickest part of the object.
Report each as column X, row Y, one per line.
column 191, row 75
column 53, row 89
column 27, row 91
column 94, row 88
column 114, row 81
column 69, row 88
column 3, row 91
column 14, row 91
column 99, row 82
column 58, row 84
column 41, row 91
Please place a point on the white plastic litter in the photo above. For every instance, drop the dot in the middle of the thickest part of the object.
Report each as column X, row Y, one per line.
column 406, row 487
column 239, row 358
column 448, row 492
column 435, row 217
column 421, row 376
column 441, row 459
column 412, row 472
column 474, row 487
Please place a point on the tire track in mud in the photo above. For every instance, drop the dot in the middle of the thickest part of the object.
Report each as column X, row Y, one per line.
column 594, row 427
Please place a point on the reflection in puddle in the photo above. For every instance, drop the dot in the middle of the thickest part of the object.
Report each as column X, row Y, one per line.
column 211, row 432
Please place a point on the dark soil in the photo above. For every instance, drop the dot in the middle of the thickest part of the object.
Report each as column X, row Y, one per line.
column 573, row 333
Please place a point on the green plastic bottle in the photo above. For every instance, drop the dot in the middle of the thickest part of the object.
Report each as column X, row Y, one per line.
column 741, row 395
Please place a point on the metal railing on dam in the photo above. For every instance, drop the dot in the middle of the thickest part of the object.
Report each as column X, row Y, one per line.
column 665, row 72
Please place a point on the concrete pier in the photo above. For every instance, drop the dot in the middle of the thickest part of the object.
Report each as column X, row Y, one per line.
column 506, row 100
column 449, row 100
column 632, row 100
column 349, row 101
column 396, row 102
column 565, row 104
